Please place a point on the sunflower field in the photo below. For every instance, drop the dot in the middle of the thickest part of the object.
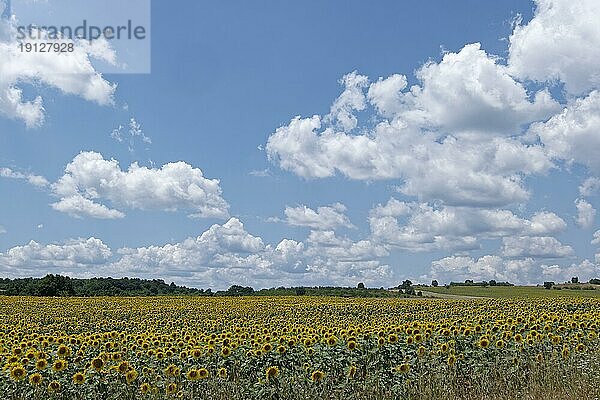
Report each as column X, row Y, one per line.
column 299, row 348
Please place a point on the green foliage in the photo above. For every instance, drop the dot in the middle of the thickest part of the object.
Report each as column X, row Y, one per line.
column 470, row 282
column 326, row 291
column 63, row 286
column 57, row 285
column 513, row 291
column 237, row 290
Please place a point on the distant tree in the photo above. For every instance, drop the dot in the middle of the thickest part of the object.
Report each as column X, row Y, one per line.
column 594, row 281
column 574, row 279
column 548, row 285
column 360, row 285
column 237, row 290
column 406, row 284
column 492, row 282
column 47, row 286
column 434, row 283
column 300, row 291
column 469, row 281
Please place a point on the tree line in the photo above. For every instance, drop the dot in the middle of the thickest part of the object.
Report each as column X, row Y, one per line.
column 57, row 285
column 63, row 286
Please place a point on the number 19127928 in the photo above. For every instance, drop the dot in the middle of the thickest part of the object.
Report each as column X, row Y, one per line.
column 46, row 47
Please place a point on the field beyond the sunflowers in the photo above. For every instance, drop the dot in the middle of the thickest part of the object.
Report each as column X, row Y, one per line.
column 299, row 348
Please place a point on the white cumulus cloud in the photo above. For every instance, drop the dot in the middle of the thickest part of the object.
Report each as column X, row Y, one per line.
column 69, row 257
column 560, row 43
column 585, row 213
column 572, row 135
column 90, row 180
column 226, row 254
column 517, row 271
column 71, row 73
column 323, row 218
column 423, row 227
column 35, row 180
column 534, row 247
column 455, row 137
column 589, row 187
column 469, row 91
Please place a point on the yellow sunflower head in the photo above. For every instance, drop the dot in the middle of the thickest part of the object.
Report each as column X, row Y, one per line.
column 352, row 371
column 59, row 365
column 131, row 376
column 193, row 375
column 203, row 373
column 97, row 363
column 18, row 373
column 145, row 388
column 54, row 387
column 404, row 368
column 41, row 364
column 272, row 372
column 317, row 376
column 35, row 379
column 78, row 378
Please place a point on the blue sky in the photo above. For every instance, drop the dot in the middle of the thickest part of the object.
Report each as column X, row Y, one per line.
column 473, row 157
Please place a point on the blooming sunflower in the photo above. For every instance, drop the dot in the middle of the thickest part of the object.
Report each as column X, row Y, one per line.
column 35, row 379
column 59, row 365
column 131, row 376
column 225, row 351
column 123, row 367
column 196, row 353
column 41, row 364
column 272, row 372
column 18, row 373
column 317, row 376
column 171, row 388
column 97, row 363
column 78, row 378
column 193, row 375
column 145, row 388
column 404, row 368
column 63, row 351
column 54, row 387
column 352, row 371
column 267, row 347
column 203, row 373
